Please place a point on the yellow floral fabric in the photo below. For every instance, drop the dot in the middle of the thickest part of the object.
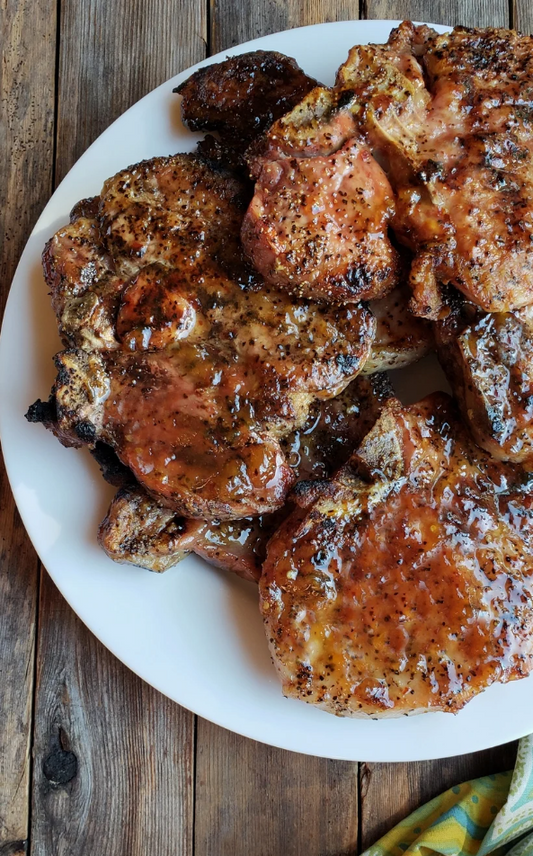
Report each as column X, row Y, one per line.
column 493, row 814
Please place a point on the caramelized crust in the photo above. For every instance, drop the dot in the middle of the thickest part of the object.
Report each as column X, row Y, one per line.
column 83, row 282
column 317, row 224
column 177, row 212
column 459, row 156
column 209, row 367
column 213, row 331
column 405, row 583
column 138, row 530
column 489, row 362
column 242, row 96
column 155, row 545
column 319, row 124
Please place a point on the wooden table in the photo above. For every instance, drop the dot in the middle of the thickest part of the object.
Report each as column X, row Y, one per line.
column 92, row 760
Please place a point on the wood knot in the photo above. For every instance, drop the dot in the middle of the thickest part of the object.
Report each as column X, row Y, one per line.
column 365, row 774
column 61, row 765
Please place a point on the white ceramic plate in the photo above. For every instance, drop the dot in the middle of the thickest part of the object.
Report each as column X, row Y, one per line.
column 194, row 633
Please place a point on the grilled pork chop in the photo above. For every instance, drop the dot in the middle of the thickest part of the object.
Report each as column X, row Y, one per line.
column 317, row 223
column 459, row 155
column 140, row 531
column 489, row 362
column 201, row 368
column 404, row 584
column 241, row 97
column 154, row 216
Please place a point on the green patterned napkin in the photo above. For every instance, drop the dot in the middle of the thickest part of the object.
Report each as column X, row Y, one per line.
column 493, row 814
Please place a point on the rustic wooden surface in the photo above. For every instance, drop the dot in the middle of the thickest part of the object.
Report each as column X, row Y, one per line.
column 92, row 760
column 27, row 36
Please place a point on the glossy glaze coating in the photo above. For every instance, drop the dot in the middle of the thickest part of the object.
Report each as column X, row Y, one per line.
column 317, row 223
column 332, row 430
column 405, row 583
column 459, row 155
column 83, row 284
column 489, row 362
column 401, row 337
column 209, row 367
column 139, row 530
column 242, row 96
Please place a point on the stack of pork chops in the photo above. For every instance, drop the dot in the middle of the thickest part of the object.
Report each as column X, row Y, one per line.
column 229, row 318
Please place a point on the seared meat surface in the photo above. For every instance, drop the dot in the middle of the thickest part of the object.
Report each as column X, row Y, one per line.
column 489, row 362
column 242, row 96
column 208, row 368
column 139, row 530
column 317, row 223
column 143, row 532
column 459, row 155
column 320, row 124
column 84, row 285
column 169, row 212
column 404, row 584
column 401, row 337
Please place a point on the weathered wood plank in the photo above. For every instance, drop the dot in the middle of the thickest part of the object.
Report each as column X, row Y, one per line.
column 27, row 36
column 389, row 792
column 18, row 596
column 469, row 13
column 111, row 54
column 253, row 800
column 235, row 21
column 113, row 758
column 522, row 15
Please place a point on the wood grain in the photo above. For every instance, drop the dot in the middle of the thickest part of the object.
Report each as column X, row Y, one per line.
column 27, row 36
column 113, row 758
column 522, row 15
column 248, row 796
column 254, row 799
column 18, row 596
column 111, row 54
column 469, row 13
column 389, row 792
column 235, row 21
